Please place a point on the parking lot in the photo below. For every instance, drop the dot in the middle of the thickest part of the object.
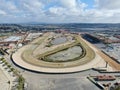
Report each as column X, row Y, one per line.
column 60, row 84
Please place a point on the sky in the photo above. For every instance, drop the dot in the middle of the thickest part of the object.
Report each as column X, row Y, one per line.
column 60, row 11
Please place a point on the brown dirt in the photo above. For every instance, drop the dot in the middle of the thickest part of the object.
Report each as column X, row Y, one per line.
column 110, row 61
column 106, row 58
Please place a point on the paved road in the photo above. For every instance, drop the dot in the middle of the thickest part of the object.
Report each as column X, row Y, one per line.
column 73, row 81
column 4, row 85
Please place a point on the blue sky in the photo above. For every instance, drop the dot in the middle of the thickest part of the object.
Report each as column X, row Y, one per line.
column 90, row 3
column 60, row 11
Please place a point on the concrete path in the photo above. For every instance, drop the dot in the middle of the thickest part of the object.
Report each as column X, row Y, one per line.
column 4, row 82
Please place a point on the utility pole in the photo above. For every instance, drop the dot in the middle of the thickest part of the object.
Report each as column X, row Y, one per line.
column 106, row 64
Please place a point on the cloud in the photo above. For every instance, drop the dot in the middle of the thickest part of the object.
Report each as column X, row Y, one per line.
column 68, row 8
column 8, row 6
column 31, row 7
column 59, row 11
column 2, row 12
column 68, row 3
column 108, row 4
column 56, row 11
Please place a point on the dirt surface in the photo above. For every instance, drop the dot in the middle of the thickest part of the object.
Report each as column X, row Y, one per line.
column 31, row 53
column 95, row 62
column 111, row 62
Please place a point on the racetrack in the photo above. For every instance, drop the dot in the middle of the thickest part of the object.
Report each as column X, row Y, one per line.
column 25, row 58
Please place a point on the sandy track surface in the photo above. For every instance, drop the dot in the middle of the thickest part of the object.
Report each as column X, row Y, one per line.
column 95, row 63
